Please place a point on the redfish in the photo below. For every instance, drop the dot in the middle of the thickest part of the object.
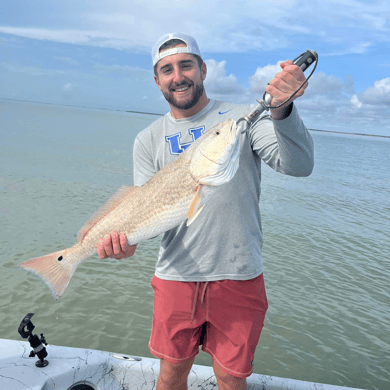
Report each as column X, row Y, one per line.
column 176, row 193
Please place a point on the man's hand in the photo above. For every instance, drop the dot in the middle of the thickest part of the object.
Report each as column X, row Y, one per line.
column 115, row 246
column 283, row 85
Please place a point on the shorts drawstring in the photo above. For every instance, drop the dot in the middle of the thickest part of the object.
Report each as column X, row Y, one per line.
column 196, row 297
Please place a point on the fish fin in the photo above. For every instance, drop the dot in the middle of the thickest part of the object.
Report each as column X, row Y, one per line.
column 55, row 273
column 195, row 207
column 195, row 203
column 192, row 219
column 111, row 203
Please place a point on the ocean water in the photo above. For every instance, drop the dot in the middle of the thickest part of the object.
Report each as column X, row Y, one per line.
column 326, row 246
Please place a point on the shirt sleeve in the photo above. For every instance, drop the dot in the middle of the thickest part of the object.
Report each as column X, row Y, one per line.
column 285, row 145
column 143, row 166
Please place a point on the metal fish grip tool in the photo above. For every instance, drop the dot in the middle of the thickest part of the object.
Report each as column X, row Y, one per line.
column 304, row 61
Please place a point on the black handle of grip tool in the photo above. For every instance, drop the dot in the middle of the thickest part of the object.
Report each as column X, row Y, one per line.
column 306, row 59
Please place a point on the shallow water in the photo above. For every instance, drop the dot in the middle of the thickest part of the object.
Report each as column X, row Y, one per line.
column 326, row 246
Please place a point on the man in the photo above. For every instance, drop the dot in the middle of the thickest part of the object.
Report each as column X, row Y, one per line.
column 208, row 283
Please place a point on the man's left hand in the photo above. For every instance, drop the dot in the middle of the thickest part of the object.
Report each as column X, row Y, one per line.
column 283, row 85
column 115, row 245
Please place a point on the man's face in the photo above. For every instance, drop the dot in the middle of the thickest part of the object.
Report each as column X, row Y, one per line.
column 180, row 80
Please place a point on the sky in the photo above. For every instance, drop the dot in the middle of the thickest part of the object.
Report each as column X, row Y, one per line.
column 96, row 54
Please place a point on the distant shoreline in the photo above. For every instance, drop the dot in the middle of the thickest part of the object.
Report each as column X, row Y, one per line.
column 142, row 112
column 153, row 113
column 344, row 132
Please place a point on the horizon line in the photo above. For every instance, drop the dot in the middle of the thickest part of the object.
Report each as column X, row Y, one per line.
column 157, row 114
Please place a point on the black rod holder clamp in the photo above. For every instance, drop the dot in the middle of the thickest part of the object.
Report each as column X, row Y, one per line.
column 36, row 343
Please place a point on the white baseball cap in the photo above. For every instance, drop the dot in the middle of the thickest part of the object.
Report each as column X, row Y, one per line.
column 192, row 46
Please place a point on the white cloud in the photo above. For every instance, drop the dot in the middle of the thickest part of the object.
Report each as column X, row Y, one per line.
column 383, row 85
column 326, row 100
column 321, row 84
column 262, row 76
column 256, row 29
column 96, row 37
column 260, row 25
column 330, row 102
column 355, row 102
column 218, row 83
column 334, row 107
column 378, row 95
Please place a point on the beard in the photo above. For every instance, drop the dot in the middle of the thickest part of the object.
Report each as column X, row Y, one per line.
column 185, row 104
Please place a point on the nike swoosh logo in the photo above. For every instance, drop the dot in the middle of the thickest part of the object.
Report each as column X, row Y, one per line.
column 221, row 113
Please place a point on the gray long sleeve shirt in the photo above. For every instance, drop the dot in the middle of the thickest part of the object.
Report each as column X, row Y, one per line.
column 225, row 240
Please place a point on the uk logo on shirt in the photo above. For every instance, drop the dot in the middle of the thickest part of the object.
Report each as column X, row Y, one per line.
column 174, row 141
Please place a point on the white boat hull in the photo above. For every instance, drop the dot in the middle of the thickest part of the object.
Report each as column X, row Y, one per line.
column 86, row 369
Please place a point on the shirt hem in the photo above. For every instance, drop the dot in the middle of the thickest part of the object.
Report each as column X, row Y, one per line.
column 211, row 278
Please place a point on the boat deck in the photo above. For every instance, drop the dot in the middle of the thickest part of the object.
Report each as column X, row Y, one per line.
column 86, row 369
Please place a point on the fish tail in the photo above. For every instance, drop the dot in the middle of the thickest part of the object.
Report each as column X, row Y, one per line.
column 55, row 269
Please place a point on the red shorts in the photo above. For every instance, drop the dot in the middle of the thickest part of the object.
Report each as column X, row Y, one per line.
column 225, row 316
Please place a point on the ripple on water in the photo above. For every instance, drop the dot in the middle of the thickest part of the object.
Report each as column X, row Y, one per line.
column 326, row 250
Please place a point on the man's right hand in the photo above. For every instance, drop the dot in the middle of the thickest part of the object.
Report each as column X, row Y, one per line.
column 115, row 245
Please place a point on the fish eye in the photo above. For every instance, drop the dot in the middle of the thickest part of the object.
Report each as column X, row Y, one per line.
column 217, row 132
column 60, row 258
